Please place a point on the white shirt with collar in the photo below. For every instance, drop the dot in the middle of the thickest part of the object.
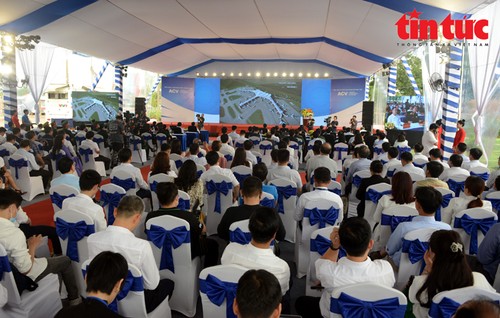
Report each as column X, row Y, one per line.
column 252, row 257
column 419, row 155
column 32, row 164
column 473, row 164
column 465, row 158
column 92, row 145
column 217, row 170
column 317, row 193
column 227, row 149
column 452, row 172
column 347, row 272
column 384, row 157
column 444, row 164
column 14, row 242
column 83, row 203
column 284, row 172
column 410, row 168
column 233, row 135
column 11, row 148
column 321, row 161
column 136, row 172
column 198, row 160
column 135, row 250
column 251, row 157
column 391, row 165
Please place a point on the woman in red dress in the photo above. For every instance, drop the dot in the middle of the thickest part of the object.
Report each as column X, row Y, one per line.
column 460, row 135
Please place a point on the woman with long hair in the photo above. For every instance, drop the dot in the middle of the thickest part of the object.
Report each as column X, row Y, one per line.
column 188, row 182
column 446, row 268
column 473, row 190
column 59, row 145
column 401, row 141
column 161, row 164
column 240, row 158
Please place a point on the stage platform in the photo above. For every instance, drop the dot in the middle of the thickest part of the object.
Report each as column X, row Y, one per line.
column 214, row 129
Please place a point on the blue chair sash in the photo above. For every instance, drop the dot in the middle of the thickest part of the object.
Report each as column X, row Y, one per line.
column 375, row 196
column 147, row 137
column 166, row 240
column 456, row 186
column 86, row 152
column 390, row 173
column 394, row 221
column 265, row 148
column 240, row 237
column 184, row 204
column 126, row 184
column 495, row 203
column 217, row 291
column 267, row 202
column 294, row 147
column 153, row 186
column 4, row 152
column 240, row 177
column 401, row 150
column 337, row 191
column 98, row 140
column 238, row 145
column 112, row 200
column 471, row 226
column 485, row 176
column 218, row 188
column 446, row 201
column 199, row 173
column 18, row 164
column 58, row 199
column 416, row 250
column 135, row 142
column 73, row 232
column 228, row 157
column 445, row 309
column 4, row 266
column 320, row 244
column 420, row 165
column 284, row 193
column 378, row 151
column 130, row 283
column 199, row 155
column 79, row 139
column 178, row 163
column 348, row 306
column 161, row 139
column 322, row 217
column 356, row 181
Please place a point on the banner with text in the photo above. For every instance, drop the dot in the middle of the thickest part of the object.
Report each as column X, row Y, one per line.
column 346, row 100
column 177, row 100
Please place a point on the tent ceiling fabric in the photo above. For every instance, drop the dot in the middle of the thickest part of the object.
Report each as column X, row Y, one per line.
column 346, row 38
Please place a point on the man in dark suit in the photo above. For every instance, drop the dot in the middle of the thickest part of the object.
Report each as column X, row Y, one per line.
column 105, row 276
column 177, row 129
column 376, row 168
column 193, row 127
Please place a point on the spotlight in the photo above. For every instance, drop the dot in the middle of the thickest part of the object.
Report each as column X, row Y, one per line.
column 326, row 74
column 300, row 74
column 223, row 74
column 206, row 73
column 197, row 74
column 316, row 75
column 231, row 74
column 240, row 74
column 214, row 74
column 292, row 75
column 268, row 74
column 308, row 74
column 284, row 74
column 275, row 74
column 257, row 74
column 249, row 74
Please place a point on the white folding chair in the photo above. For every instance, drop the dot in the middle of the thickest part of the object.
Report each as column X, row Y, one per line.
column 199, row 170
column 377, row 151
column 372, row 196
column 219, row 278
column 457, row 184
column 59, row 193
column 184, row 201
column 138, row 154
column 77, row 250
column 287, row 201
column 319, row 244
column 44, row 301
column 340, row 151
column 353, row 201
column 130, row 301
column 89, row 162
column 415, row 244
column 257, row 155
column 479, row 171
column 389, row 220
column 79, row 137
column 5, row 154
column 265, row 148
column 54, row 161
column 241, row 173
column 153, row 182
column 160, row 139
column 267, row 200
column 297, row 150
column 178, row 159
column 148, row 138
column 494, row 198
column 111, row 194
column 420, row 163
column 125, row 180
column 239, row 232
column 103, row 150
column 472, row 225
column 317, row 215
column 219, row 198
column 335, row 187
column 185, row 271
column 255, row 140
column 444, row 212
column 33, row 186
column 344, row 305
column 446, row 303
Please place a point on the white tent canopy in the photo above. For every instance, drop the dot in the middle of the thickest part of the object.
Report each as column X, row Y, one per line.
column 344, row 38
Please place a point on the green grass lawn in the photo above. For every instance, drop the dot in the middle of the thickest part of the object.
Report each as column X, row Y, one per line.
column 256, row 118
column 231, row 112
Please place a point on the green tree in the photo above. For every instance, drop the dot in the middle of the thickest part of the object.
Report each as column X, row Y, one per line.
column 403, row 84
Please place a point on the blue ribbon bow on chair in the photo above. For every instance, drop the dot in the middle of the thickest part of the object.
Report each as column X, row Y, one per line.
column 394, row 221
column 339, row 151
column 178, row 163
column 269, row 203
column 284, row 193
column 130, row 283
column 495, row 203
column 228, row 157
column 401, row 150
column 98, row 140
column 18, row 164
column 240, row 237
column 161, row 139
column 112, row 200
column 4, row 152
column 416, row 250
column 485, row 176
column 322, row 217
column 456, row 186
column 74, row 232
column 126, row 184
column 199, row 173
column 378, row 151
column 375, row 196
column 153, row 186
column 471, row 226
column 184, row 204
column 240, row 177
column 147, row 137
column 356, row 181
column 446, row 201
column 217, row 291
column 320, row 244
column 445, row 309
column 86, row 152
column 79, row 139
column 419, row 165
column 348, row 306
column 4, row 266
column 166, row 240
column 266, row 148
column 221, row 187
column 58, row 199
column 135, row 142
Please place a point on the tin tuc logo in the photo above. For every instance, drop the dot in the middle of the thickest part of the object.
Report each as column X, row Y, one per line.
column 413, row 28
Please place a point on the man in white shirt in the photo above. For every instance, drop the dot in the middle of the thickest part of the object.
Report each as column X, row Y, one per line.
column 263, row 225
column 429, row 140
column 33, row 167
column 362, row 164
column 323, row 160
column 9, row 144
column 436, row 155
column 248, row 145
column 393, row 163
column 125, row 157
column 21, row 252
column 119, row 238
column 418, row 152
column 384, row 157
column 356, row 267
column 455, row 169
column 381, row 140
column 68, row 177
column 474, row 155
column 407, row 165
column 225, row 148
column 233, row 134
column 283, row 171
column 322, row 179
column 461, row 149
column 194, row 149
column 83, row 202
column 214, row 170
column 395, row 119
column 89, row 143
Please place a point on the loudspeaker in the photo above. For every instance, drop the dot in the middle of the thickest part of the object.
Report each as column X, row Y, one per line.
column 368, row 115
column 140, row 105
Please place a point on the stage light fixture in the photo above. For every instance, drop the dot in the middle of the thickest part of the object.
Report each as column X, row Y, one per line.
column 316, row 75
column 240, row 74
column 292, row 74
column 214, row 74
column 283, row 74
column 326, row 74
column 197, row 74
column 275, row 74
column 257, row 74
column 308, row 74
column 206, row 74
column 223, row 74
column 249, row 74
column 268, row 74
column 231, row 74
column 300, row 74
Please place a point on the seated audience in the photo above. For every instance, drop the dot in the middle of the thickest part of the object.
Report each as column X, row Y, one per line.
column 384, row 156
column 21, row 251
column 455, row 169
column 436, row 154
column 418, row 148
column 258, row 295
column 214, row 170
column 474, row 155
column 240, row 158
column 83, row 202
column 176, row 147
column 478, row 308
column 64, row 147
column 376, row 169
column 68, row 174
column 461, row 149
column 248, row 145
column 119, row 238
column 125, row 158
column 432, row 172
column 260, row 171
column 354, row 236
column 161, row 164
column 194, row 149
column 216, row 146
column 33, row 165
column 407, row 165
column 322, row 160
column 104, row 278
column 314, row 151
column 88, row 142
column 6, row 179
column 283, row 171
column 401, row 141
column 225, row 147
column 189, row 182
column 473, row 190
column 446, row 268
column 362, row 164
column 393, row 163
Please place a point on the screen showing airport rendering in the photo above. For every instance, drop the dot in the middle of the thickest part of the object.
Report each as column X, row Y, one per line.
column 405, row 113
column 258, row 101
column 98, row 106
